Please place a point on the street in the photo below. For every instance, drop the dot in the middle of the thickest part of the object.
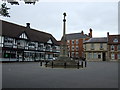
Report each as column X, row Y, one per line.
column 32, row 75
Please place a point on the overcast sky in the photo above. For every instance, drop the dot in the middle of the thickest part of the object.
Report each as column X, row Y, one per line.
column 102, row 17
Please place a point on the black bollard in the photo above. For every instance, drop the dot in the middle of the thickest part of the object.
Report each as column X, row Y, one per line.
column 85, row 63
column 82, row 64
column 46, row 63
column 78, row 65
column 41, row 63
column 52, row 64
column 65, row 65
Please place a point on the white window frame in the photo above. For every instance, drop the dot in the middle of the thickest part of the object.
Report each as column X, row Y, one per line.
column 119, row 56
column 112, row 56
column 115, row 40
column 112, row 47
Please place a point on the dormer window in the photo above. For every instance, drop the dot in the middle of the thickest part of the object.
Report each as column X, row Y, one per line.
column 115, row 40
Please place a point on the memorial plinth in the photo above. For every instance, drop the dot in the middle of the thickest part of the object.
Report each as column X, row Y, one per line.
column 63, row 58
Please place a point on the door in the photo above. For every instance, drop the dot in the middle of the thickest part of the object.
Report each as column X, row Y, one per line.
column 104, row 56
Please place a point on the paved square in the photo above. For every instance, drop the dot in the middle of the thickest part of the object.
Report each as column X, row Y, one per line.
column 32, row 75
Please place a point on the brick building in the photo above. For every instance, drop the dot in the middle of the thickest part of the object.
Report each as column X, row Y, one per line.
column 113, row 47
column 75, row 43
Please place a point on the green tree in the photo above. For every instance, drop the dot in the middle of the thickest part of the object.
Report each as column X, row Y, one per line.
column 4, row 10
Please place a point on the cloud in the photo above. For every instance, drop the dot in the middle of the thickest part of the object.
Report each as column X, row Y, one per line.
column 48, row 17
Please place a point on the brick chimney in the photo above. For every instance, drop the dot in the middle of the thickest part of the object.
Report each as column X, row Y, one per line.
column 90, row 33
column 82, row 32
column 107, row 36
column 28, row 25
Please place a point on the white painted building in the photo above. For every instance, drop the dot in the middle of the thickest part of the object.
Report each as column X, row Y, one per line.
column 19, row 43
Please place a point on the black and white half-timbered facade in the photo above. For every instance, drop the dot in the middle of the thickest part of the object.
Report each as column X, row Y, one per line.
column 19, row 43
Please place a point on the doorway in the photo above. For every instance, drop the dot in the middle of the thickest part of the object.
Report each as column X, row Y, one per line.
column 104, row 56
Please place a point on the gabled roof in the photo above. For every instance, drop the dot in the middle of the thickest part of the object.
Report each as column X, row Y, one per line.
column 97, row 40
column 14, row 30
column 112, row 37
column 73, row 36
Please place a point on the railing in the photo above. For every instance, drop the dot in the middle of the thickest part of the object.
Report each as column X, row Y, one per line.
column 82, row 64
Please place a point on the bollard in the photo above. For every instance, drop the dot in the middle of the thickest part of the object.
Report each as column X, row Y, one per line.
column 40, row 63
column 65, row 65
column 78, row 65
column 82, row 64
column 85, row 63
column 46, row 63
column 52, row 64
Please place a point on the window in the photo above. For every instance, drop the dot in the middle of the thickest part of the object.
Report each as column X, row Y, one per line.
column 101, row 46
column 99, row 56
column 40, row 47
column 119, row 47
column 72, row 54
column 89, row 55
column 76, row 41
column 119, row 56
column 68, row 41
column 115, row 40
column 85, row 46
column 95, row 55
column 54, row 48
column 72, row 41
column 77, row 48
column 47, row 48
column 8, row 41
column 112, row 47
column 92, row 46
column 112, row 56
column 32, row 44
column 77, row 54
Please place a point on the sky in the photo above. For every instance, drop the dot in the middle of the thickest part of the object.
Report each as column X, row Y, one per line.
column 47, row 16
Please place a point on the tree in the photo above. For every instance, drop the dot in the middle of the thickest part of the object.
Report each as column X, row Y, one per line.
column 4, row 10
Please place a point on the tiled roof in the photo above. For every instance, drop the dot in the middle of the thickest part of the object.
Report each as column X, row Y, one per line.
column 14, row 30
column 97, row 40
column 76, row 36
column 112, row 37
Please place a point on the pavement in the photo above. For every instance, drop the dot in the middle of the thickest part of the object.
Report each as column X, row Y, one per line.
column 32, row 75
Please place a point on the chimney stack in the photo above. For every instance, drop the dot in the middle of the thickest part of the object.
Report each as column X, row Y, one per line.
column 107, row 34
column 28, row 25
column 82, row 32
column 90, row 33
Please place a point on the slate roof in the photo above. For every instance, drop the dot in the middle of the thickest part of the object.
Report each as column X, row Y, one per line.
column 73, row 36
column 14, row 30
column 112, row 37
column 97, row 40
